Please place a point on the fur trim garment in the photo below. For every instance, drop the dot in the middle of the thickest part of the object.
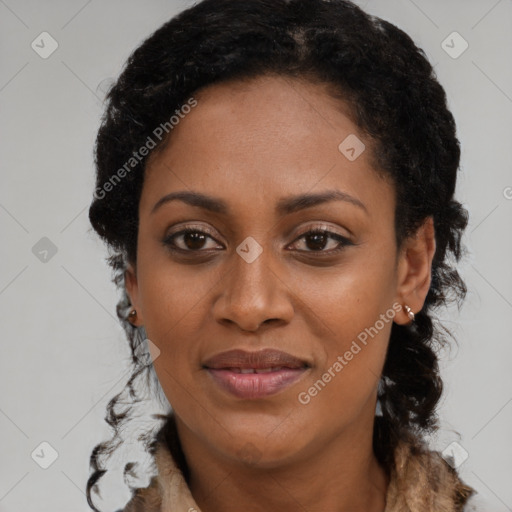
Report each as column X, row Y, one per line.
column 421, row 481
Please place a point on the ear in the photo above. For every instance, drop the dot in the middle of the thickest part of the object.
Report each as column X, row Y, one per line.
column 415, row 269
column 132, row 288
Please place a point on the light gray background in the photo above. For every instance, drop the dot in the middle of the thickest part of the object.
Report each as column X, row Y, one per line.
column 64, row 355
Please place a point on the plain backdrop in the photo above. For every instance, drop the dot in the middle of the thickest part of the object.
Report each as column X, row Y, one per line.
column 63, row 353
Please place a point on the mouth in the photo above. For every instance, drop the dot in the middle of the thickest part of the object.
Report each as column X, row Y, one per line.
column 254, row 370
column 253, row 375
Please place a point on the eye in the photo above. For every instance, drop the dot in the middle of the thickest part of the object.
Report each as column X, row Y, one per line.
column 316, row 240
column 196, row 240
column 190, row 240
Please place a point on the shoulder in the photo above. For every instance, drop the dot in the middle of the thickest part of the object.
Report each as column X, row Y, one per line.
column 423, row 480
column 147, row 499
column 167, row 489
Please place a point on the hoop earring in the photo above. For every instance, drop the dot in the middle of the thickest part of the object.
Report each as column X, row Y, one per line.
column 410, row 313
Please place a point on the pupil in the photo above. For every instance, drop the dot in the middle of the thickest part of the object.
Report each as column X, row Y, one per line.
column 319, row 240
column 196, row 240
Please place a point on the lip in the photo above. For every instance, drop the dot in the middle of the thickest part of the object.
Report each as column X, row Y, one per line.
column 265, row 358
column 276, row 370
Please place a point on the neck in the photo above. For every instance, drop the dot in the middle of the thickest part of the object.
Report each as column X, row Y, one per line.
column 342, row 475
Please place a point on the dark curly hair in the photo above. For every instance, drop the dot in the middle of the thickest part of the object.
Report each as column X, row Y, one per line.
column 394, row 98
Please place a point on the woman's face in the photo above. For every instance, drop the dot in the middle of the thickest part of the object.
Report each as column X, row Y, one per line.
column 265, row 158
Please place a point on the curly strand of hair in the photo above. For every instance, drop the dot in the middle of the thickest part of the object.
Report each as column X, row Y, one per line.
column 118, row 417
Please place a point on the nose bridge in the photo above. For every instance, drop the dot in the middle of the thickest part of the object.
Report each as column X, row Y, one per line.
column 251, row 279
column 251, row 292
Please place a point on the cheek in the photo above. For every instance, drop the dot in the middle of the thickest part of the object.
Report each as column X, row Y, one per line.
column 355, row 305
column 176, row 317
column 174, row 298
column 350, row 297
column 342, row 386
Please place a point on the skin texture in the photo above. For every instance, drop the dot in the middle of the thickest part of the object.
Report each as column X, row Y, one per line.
column 251, row 144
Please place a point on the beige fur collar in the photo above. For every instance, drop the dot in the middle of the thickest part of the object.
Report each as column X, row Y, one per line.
column 421, row 482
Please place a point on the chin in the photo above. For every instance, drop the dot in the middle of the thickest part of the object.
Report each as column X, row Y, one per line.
column 262, row 447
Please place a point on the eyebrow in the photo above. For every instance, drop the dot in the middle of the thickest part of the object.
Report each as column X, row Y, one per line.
column 284, row 206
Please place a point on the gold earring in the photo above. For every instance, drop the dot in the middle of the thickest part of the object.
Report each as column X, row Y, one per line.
column 132, row 316
column 410, row 313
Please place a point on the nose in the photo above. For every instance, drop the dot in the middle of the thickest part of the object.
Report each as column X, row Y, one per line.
column 253, row 294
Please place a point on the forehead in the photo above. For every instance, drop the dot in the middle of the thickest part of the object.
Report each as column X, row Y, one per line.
column 258, row 140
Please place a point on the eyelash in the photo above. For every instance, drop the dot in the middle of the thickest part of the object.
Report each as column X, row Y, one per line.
column 343, row 241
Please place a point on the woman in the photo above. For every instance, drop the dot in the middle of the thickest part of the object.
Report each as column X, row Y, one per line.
column 276, row 180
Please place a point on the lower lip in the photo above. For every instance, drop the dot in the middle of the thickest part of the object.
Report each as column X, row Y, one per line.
column 256, row 385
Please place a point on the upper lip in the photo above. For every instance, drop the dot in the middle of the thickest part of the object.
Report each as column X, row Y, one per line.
column 266, row 358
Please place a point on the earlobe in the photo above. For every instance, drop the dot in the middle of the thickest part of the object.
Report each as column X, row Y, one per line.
column 415, row 269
